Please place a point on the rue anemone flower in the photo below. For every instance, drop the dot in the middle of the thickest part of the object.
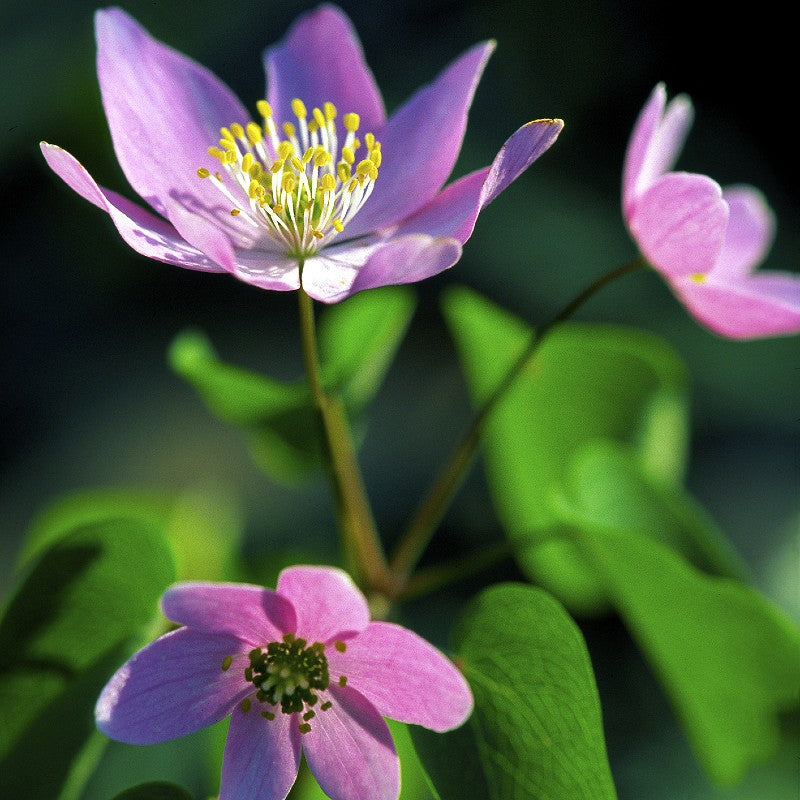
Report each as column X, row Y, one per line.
column 320, row 188
column 298, row 669
column 705, row 240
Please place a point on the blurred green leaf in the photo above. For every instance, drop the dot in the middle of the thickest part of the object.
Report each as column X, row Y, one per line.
column 357, row 340
column 728, row 659
column 73, row 620
column 203, row 524
column 585, row 382
column 536, row 730
column 159, row 790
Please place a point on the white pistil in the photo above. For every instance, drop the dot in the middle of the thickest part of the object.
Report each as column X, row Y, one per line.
column 301, row 191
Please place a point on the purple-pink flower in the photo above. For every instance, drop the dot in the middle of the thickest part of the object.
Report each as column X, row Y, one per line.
column 706, row 241
column 300, row 668
column 323, row 177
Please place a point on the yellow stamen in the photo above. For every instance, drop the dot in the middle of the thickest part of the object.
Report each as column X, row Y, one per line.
column 226, row 134
column 351, row 122
column 235, row 212
column 330, row 111
column 319, row 117
column 328, row 182
column 337, row 225
column 254, row 133
column 202, row 172
column 264, row 108
column 299, row 108
column 698, row 277
column 348, row 156
column 369, row 141
column 343, row 172
column 237, row 130
column 247, row 162
column 285, row 149
column 289, row 130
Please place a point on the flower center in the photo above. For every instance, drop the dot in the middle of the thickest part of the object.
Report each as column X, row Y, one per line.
column 286, row 673
column 301, row 190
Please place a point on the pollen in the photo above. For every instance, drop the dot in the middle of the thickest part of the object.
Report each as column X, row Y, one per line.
column 698, row 277
column 297, row 181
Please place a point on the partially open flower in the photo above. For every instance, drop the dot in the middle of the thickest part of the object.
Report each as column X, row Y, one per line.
column 322, row 179
column 300, row 669
column 706, row 241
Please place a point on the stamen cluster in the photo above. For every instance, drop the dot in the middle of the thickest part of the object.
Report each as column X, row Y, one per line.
column 286, row 673
column 302, row 189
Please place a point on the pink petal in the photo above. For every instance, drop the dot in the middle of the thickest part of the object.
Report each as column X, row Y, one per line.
column 350, row 750
column 341, row 271
column 679, row 223
column 764, row 304
column 262, row 756
column 327, row 602
column 164, row 111
column 751, row 229
column 267, row 270
column 172, row 687
column 657, row 139
column 251, row 613
column 204, row 235
column 453, row 211
column 420, row 143
column 319, row 61
column 144, row 232
column 404, row 677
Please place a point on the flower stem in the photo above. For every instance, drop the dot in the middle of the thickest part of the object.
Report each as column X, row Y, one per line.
column 423, row 524
column 361, row 545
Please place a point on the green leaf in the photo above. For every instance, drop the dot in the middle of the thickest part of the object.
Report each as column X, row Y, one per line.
column 357, row 340
column 585, row 382
column 727, row 658
column 159, row 790
column 536, row 731
column 73, row 620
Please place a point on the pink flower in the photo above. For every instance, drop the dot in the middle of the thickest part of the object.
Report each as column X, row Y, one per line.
column 358, row 198
column 706, row 241
column 299, row 668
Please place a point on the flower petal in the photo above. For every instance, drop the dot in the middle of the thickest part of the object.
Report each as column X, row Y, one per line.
column 679, row 223
column 341, row 271
column 319, row 61
column 267, row 270
column 657, row 139
column 420, row 143
column 350, row 750
column 404, row 677
column 144, row 232
column 164, row 111
column 200, row 232
column 764, row 304
column 262, row 756
column 172, row 687
column 751, row 229
column 251, row 613
column 326, row 601
column 454, row 210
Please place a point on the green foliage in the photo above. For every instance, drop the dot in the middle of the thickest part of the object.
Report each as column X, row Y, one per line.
column 159, row 790
column 357, row 341
column 536, row 730
column 728, row 659
column 585, row 382
column 84, row 603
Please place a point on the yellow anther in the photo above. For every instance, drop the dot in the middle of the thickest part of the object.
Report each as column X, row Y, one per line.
column 299, row 108
column 202, row 172
column 264, row 108
column 319, row 117
column 253, row 189
column 348, row 156
column 375, row 157
column 254, row 133
column 237, row 130
column 235, row 212
column 376, row 146
column 698, row 277
column 228, row 144
column 338, row 225
column 289, row 130
column 277, row 166
column 356, row 144
column 321, row 158
column 308, row 155
column 369, row 141
column 351, row 122
column 343, row 171
column 297, row 164
column 247, row 162
column 288, row 182
column 313, row 127
column 364, row 167
column 218, row 176
column 256, row 169
column 351, row 187
column 216, row 153
column 231, row 156
column 328, row 182
column 285, row 149
column 330, row 111
column 226, row 134
column 277, row 208
column 373, row 174
column 317, row 234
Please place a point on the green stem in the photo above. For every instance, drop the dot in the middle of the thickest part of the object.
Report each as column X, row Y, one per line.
column 423, row 525
column 360, row 541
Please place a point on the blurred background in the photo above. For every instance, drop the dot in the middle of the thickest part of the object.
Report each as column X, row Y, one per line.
column 88, row 400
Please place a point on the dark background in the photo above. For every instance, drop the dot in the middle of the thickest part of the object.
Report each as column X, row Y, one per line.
column 87, row 399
